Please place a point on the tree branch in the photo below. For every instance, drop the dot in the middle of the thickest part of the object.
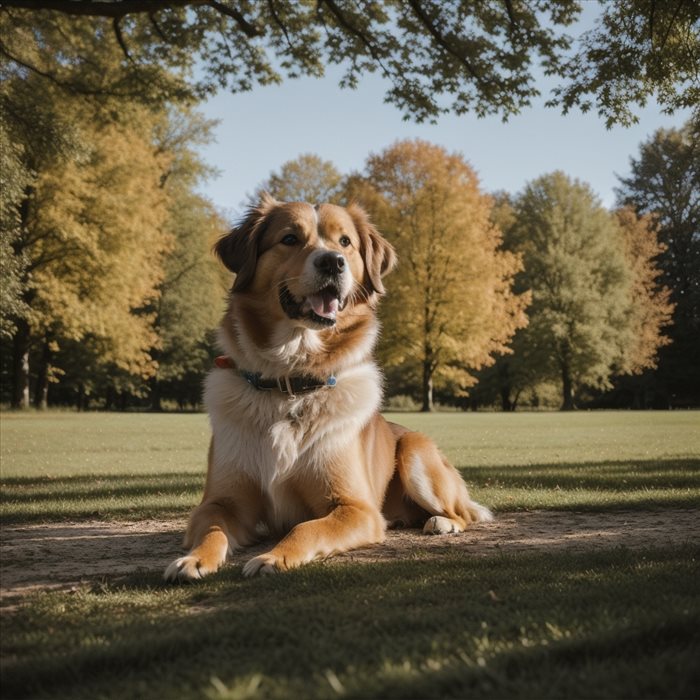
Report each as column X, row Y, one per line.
column 121, row 8
column 120, row 37
column 335, row 10
column 100, row 8
column 670, row 25
column 49, row 76
column 280, row 24
column 440, row 39
column 250, row 30
column 159, row 31
column 511, row 14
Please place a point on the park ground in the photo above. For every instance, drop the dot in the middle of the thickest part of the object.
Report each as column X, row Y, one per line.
column 586, row 584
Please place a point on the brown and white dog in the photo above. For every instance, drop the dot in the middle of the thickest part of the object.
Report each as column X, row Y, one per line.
column 298, row 444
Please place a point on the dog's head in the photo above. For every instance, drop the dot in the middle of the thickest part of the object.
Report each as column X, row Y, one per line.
column 315, row 261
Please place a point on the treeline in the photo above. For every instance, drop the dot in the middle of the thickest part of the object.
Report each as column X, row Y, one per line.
column 108, row 286
column 541, row 298
column 110, row 296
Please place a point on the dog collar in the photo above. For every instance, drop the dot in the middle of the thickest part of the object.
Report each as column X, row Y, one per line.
column 289, row 385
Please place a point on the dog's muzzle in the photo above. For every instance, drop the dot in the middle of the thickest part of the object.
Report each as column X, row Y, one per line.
column 321, row 306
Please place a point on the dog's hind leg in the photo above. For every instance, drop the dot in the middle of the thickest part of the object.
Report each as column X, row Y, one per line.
column 436, row 486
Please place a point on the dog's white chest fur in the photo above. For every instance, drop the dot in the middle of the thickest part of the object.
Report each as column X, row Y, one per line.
column 269, row 437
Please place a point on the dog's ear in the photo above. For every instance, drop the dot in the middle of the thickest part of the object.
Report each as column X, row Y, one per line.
column 379, row 254
column 238, row 250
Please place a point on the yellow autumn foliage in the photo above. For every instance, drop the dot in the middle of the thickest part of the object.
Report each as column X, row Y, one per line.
column 97, row 224
column 450, row 305
column 651, row 309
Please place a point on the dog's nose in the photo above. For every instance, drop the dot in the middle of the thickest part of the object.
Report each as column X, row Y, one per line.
column 330, row 263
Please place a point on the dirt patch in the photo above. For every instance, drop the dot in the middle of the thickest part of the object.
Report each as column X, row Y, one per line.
column 40, row 557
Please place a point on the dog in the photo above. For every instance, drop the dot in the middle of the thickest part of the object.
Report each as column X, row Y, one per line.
column 299, row 448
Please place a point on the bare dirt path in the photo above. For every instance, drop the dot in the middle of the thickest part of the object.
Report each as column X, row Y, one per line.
column 61, row 555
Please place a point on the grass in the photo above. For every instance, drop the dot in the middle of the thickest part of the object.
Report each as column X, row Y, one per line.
column 609, row 623
column 59, row 466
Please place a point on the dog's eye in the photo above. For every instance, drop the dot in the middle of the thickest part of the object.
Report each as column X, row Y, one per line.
column 345, row 241
column 290, row 239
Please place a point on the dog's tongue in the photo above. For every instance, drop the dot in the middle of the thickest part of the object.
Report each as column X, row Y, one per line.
column 324, row 303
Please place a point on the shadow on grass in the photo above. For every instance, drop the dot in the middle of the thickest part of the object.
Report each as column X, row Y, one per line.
column 635, row 483
column 604, row 624
column 117, row 486
column 49, row 499
column 608, row 475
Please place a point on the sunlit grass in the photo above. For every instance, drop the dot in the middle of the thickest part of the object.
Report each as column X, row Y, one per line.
column 522, row 439
column 61, row 465
column 56, row 444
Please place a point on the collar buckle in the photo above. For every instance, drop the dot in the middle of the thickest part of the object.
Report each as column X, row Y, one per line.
column 286, row 387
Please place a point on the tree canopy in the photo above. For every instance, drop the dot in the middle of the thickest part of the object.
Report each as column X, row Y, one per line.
column 450, row 306
column 307, row 178
column 596, row 309
column 437, row 56
column 92, row 223
column 664, row 183
column 90, row 236
column 104, row 240
column 652, row 311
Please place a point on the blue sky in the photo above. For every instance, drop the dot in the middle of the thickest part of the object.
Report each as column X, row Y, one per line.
column 261, row 129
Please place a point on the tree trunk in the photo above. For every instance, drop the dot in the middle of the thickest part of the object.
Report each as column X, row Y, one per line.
column 156, row 403
column 41, row 391
column 80, row 399
column 514, row 402
column 20, row 366
column 506, row 403
column 504, row 388
column 427, row 388
column 567, row 389
column 154, row 387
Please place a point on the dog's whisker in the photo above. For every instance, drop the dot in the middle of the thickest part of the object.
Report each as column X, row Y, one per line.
column 288, row 279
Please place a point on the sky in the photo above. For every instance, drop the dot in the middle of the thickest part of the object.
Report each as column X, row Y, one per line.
column 260, row 130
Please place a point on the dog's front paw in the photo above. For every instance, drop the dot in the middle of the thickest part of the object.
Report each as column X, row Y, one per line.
column 439, row 525
column 189, row 568
column 264, row 564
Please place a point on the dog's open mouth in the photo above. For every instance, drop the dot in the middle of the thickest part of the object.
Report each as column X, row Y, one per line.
column 321, row 307
column 325, row 303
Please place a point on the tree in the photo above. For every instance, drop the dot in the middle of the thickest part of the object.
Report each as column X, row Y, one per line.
column 87, row 233
column 450, row 305
column 574, row 263
column 665, row 182
column 308, row 178
column 87, row 59
column 192, row 295
column 652, row 310
column 521, row 368
column 95, row 237
column 453, row 55
column 14, row 178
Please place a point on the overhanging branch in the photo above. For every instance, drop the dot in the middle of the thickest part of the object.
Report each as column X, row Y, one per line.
column 121, row 8
column 441, row 41
column 99, row 8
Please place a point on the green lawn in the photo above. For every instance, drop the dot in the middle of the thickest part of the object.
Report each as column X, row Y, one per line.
column 610, row 623
column 64, row 465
